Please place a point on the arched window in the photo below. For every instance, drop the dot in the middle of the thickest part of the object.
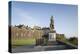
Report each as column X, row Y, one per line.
column 16, row 34
column 21, row 34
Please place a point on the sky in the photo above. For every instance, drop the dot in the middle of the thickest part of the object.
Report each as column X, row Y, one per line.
column 38, row 14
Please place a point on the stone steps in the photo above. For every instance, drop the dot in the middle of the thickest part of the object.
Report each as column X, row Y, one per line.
column 52, row 43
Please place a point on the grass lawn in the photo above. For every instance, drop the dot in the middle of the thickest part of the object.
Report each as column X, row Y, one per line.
column 21, row 42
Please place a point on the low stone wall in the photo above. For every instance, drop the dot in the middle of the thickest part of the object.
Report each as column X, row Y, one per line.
column 68, row 44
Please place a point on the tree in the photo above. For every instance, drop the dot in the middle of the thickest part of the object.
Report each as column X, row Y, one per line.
column 60, row 37
column 73, row 40
column 19, row 26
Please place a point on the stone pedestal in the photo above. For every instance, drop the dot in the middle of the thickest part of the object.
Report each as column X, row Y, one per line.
column 52, row 37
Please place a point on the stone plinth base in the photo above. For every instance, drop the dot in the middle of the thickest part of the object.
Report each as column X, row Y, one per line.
column 52, row 37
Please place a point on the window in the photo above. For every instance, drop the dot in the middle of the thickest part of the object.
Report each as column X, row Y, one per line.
column 16, row 34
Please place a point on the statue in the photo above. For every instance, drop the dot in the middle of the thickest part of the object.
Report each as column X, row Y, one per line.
column 51, row 24
column 52, row 33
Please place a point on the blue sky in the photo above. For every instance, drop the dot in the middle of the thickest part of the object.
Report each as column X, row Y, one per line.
column 65, row 16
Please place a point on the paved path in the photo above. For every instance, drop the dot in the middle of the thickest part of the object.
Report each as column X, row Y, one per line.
column 59, row 46
column 34, row 48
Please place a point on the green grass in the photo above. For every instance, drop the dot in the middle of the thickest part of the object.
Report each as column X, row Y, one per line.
column 21, row 42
